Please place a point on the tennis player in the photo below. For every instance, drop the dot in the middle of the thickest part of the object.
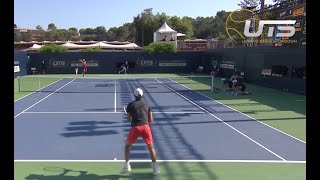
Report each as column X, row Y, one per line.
column 84, row 67
column 140, row 115
column 124, row 67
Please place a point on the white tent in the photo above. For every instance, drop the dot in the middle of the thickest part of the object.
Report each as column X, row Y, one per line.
column 180, row 34
column 165, row 33
column 102, row 45
column 35, row 47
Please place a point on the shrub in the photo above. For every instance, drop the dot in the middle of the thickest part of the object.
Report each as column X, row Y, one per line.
column 161, row 48
column 52, row 48
column 95, row 49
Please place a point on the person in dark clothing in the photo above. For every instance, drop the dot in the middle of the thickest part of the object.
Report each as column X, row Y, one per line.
column 140, row 115
column 43, row 67
column 240, row 88
column 124, row 67
column 236, row 75
column 227, row 84
column 215, row 71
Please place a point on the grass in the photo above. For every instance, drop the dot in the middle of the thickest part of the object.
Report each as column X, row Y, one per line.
column 282, row 110
column 169, row 171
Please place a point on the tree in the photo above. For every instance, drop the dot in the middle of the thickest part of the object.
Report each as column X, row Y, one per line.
column 15, row 26
column 39, row 27
column 73, row 34
column 51, row 26
column 17, row 36
column 122, row 33
column 249, row 3
column 27, row 36
column 111, row 34
column 100, row 33
column 51, row 35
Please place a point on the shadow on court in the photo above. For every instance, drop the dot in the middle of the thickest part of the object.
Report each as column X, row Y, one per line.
column 279, row 100
column 140, row 171
column 89, row 128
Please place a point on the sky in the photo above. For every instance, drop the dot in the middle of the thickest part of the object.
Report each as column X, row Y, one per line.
column 109, row 13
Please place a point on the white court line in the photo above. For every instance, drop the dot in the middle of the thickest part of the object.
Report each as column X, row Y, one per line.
column 37, row 90
column 180, row 161
column 93, row 82
column 242, row 113
column 115, row 95
column 43, row 99
column 223, row 122
column 108, row 112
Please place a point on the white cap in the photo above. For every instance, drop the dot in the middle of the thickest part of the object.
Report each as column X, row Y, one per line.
column 234, row 81
column 223, row 79
column 138, row 92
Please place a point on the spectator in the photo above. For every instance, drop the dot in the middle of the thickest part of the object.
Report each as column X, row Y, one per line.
column 240, row 88
column 215, row 71
column 227, row 84
column 165, row 38
column 43, row 67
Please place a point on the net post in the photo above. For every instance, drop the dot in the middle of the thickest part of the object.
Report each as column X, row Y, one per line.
column 19, row 84
column 211, row 82
column 39, row 85
column 212, row 87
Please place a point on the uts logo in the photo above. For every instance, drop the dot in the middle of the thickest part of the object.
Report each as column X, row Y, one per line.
column 244, row 23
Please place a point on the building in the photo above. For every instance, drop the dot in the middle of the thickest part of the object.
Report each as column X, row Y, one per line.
column 37, row 35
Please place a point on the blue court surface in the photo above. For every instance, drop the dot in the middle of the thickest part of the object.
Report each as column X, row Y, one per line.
column 83, row 119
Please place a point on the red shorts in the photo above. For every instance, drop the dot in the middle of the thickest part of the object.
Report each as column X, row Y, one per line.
column 143, row 131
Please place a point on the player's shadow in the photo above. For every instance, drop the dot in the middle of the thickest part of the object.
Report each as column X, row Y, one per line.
column 89, row 128
column 68, row 174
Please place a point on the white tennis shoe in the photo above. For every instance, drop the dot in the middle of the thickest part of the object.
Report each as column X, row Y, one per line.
column 126, row 169
column 156, row 171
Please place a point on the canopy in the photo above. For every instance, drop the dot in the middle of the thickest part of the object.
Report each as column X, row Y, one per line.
column 35, row 46
column 181, row 34
column 164, row 33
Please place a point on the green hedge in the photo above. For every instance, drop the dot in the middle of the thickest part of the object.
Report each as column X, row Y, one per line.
column 52, row 48
column 161, row 48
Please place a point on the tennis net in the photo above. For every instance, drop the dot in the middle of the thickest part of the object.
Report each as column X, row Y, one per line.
column 112, row 84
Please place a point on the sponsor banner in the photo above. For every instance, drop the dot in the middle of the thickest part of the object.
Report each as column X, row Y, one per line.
column 16, row 66
column 285, row 13
column 89, row 64
column 58, row 63
column 16, row 69
column 227, row 66
column 180, row 64
column 227, row 62
column 298, row 11
column 266, row 72
column 142, row 62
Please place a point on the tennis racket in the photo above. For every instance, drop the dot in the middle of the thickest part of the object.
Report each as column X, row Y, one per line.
column 125, row 109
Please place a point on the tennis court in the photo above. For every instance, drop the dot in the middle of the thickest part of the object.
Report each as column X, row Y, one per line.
column 82, row 120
